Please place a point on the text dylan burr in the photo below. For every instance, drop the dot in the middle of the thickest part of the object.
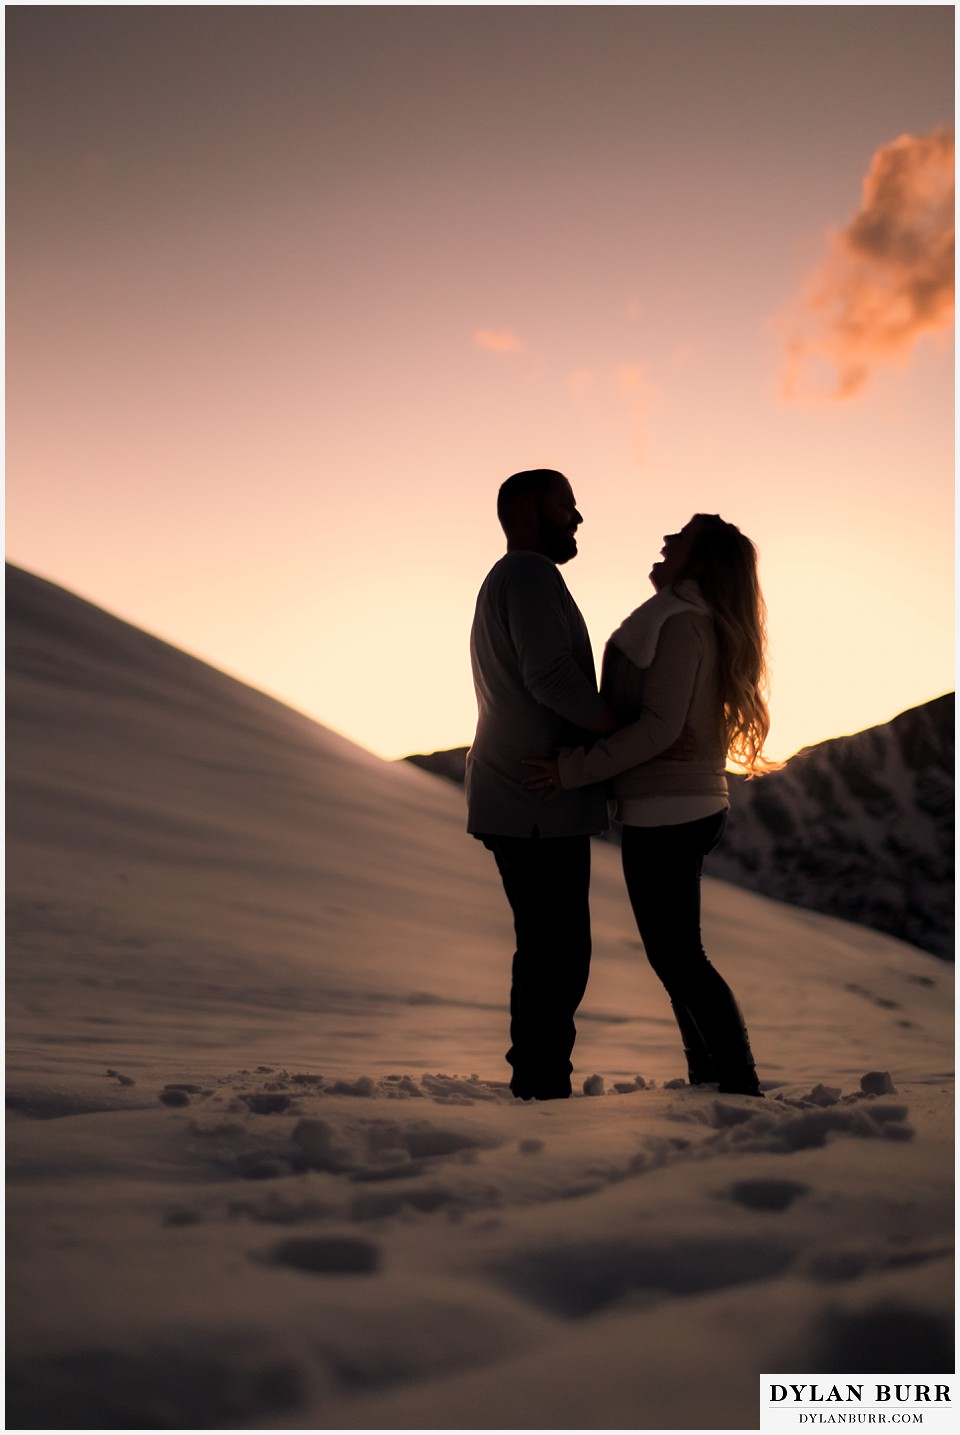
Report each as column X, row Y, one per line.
column 852, row 1394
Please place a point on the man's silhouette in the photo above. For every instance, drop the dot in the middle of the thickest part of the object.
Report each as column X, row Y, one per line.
column 536, row 691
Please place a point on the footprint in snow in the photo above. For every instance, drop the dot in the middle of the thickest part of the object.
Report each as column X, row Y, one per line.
column 766, row 1193
column 327, row 1255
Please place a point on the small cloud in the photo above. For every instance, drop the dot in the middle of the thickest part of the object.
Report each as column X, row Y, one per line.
column 635, row 383
column 498, row 341
column 644, row 401
column 631, row 377
column 888, row 277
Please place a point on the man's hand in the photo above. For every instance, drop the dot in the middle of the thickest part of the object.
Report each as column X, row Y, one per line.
column 547, row 779
column 684, row 749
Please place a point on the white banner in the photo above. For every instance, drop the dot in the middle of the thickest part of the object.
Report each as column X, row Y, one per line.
column 818, row 1402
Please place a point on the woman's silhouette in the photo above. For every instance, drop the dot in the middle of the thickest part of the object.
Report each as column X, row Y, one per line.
column 691, row 659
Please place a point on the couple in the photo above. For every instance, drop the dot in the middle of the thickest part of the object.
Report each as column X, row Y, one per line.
column 681, row 689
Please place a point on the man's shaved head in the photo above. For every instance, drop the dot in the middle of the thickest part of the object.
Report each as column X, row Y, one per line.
column 526, row 484
column 538, row 513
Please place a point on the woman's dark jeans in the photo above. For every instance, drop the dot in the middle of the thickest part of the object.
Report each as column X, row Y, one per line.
column 662, row 867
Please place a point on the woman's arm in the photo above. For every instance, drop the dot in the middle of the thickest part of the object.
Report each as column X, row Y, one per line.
column 667, row 694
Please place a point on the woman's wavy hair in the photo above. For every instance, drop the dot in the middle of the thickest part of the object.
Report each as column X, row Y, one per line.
column 723, row 562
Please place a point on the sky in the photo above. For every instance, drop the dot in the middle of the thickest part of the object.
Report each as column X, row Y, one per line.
column 292, row 290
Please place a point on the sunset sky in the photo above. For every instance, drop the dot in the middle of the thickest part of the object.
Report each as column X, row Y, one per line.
column 292, row 290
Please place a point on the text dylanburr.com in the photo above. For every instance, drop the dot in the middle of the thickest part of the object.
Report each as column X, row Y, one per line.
column 812, row 1402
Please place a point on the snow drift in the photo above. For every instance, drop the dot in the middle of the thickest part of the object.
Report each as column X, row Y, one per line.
column 263, row 1168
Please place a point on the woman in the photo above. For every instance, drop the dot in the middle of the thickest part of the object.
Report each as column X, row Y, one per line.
column 690, row 659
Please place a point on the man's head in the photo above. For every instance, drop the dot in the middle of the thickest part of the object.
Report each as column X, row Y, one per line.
column 538, row 513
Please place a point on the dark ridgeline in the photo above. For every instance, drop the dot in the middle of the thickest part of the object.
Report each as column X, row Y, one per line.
column 451, row 763
column 859, row 827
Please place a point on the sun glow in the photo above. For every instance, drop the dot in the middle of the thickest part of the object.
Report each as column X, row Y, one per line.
column 270, row 363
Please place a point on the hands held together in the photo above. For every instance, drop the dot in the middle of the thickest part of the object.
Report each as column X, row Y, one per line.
column 547, row 777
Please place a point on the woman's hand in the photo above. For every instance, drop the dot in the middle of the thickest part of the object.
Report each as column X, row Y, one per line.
column 547, row 779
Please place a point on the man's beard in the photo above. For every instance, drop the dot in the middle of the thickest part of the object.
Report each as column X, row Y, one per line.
column 557, row 543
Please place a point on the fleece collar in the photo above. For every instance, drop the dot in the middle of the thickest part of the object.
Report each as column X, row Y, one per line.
column 637, row 635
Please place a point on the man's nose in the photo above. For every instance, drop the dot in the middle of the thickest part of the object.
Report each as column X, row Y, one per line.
column 577, row 516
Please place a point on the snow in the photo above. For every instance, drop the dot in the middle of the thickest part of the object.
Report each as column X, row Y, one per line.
column 263, row 1166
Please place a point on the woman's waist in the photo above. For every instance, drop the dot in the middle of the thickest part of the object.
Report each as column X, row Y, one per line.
column 664, row 776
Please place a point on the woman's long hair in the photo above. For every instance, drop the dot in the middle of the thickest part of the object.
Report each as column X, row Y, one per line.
column 723, row 562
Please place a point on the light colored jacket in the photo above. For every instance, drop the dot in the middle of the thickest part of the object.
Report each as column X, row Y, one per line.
column 679, row 687
column 536, row 689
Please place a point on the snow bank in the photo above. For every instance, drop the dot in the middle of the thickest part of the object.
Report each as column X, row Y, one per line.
column 263, row 1167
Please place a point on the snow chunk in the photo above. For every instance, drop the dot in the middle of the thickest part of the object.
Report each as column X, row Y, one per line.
column 320, row 1146
column 401, row 1086
column 265, row 1103
column 799, row 1125
column 458, row 1090
column 824, row 1095
column 593, row 1086
column 877, row 1083
column 176, row 1097
column 363, row 1086
column 342, row 1149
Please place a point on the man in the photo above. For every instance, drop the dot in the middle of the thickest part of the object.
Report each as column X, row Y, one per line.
column 537, row 691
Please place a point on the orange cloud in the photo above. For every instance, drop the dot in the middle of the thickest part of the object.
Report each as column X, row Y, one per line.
column 635, row 383
column 498, row 341
column 888, row 277
column 644, row 399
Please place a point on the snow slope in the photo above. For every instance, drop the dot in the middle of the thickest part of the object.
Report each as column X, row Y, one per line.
column 263, row 1169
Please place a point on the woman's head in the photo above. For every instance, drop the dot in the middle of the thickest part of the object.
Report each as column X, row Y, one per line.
column 723, row 563
column 710, row 550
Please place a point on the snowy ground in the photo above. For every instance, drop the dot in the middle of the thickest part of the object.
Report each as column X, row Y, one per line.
column 238, row 948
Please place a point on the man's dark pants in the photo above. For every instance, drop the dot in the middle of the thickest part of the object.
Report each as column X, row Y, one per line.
column 547, row 882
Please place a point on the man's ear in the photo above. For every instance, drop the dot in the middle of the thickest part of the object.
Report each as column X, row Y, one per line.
column 527, row 511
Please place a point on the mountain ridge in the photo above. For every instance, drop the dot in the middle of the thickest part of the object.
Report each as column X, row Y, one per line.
column 860, row 826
